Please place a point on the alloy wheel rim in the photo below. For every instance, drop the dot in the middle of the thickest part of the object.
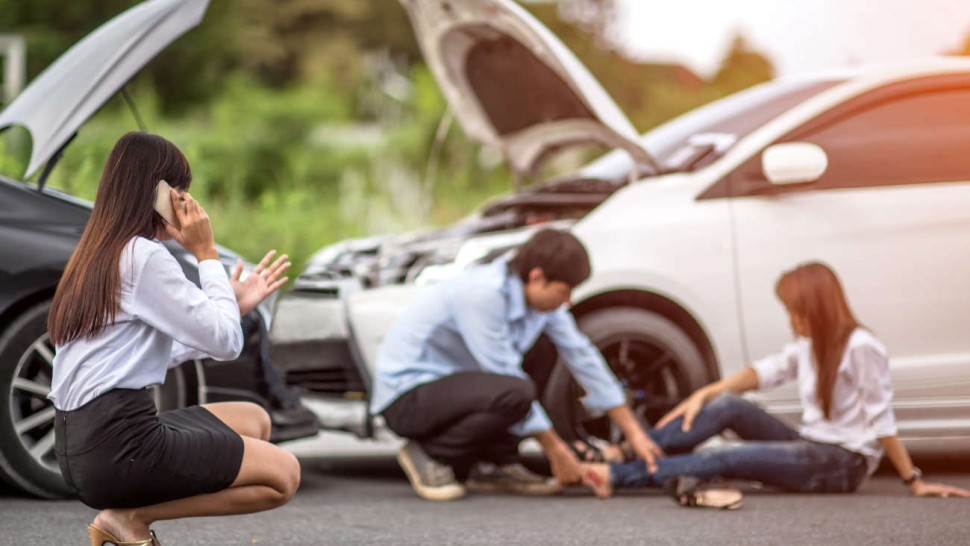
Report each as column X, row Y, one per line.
column 651, row 375
column 31, row 413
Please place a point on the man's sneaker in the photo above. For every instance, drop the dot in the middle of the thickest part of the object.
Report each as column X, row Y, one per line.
column 509, row 478
column 430, row 479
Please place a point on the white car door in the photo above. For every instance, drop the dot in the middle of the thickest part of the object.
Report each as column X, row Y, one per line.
column 891, row 215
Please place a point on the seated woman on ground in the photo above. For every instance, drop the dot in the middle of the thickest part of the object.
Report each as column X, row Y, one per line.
column 847, row 418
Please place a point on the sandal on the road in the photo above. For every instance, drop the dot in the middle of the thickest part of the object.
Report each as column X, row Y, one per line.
column 687, row 491
column 594, row 450
column 587, row 452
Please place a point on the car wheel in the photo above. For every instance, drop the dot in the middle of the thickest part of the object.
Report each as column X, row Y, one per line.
column 653, row 358
column 26, row 415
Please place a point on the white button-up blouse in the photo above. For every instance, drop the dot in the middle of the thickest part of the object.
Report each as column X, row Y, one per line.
column 163, row 319
column 861, row 411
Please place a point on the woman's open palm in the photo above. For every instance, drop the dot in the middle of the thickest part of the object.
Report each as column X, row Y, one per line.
column 688, row 409
column 928, row 489
column 258, row 285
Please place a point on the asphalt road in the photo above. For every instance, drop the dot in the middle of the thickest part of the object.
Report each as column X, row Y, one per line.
column 367, row 500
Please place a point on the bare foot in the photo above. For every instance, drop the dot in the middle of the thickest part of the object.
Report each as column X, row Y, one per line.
column 122, row 525
column 597, row 478
column 613, row 453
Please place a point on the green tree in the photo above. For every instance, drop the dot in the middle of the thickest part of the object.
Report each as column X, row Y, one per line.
column 189, row 71
column 649, row 93
column 51, row 26
column 596, row 17
column 284, row 41
column 278, row 42
column 742, row 67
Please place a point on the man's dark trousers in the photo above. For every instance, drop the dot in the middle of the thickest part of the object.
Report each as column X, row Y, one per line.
column 464, row 418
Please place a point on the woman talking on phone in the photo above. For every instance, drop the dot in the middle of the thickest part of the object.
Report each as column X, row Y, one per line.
column 122, row 315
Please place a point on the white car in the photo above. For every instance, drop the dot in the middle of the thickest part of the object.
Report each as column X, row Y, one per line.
column 867, row 170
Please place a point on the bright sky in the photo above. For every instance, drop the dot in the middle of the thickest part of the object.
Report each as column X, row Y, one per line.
column 798, row 35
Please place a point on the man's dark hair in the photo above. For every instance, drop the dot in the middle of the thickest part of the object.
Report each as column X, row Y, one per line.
column 559, row 255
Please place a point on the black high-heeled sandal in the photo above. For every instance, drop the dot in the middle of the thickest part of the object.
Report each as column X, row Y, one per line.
column 593, row 450
column 690, row 492
column 587, row 452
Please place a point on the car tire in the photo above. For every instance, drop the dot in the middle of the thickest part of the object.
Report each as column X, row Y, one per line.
column 26, row 416
column 657, row 362
column 25, row 378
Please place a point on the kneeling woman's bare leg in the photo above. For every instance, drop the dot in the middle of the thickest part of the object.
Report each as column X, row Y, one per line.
column 268, row 478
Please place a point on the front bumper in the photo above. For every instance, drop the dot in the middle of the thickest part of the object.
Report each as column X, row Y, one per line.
column 310, row 342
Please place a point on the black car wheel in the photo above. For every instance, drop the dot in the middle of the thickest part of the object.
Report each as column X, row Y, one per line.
column 27, row 416
column 653, row 358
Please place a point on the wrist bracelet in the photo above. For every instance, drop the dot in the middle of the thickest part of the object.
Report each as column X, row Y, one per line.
column 917, row 474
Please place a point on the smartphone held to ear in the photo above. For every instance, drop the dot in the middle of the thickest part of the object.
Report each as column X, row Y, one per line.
column 163, row 204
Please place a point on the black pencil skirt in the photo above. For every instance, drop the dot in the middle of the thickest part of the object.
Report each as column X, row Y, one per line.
column 116, row 451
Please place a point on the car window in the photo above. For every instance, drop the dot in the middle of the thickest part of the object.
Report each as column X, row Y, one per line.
column 737, row 115
column 921, row 138
column 908, row 133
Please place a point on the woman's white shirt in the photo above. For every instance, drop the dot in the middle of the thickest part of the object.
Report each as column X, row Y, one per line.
column 163, row 319
column 861, row 411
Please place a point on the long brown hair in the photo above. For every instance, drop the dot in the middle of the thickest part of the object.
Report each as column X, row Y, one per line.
column 813, row 293
column 88, row 293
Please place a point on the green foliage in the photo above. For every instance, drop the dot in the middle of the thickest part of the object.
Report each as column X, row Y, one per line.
column 279, row 42
column 649, row 93
column 284, row 41
column 188, row 72
column 742, row 67
column 310, row 121
column 291, row 168
column 52, row 26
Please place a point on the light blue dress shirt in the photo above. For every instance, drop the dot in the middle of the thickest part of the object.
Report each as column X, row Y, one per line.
column 479, row 322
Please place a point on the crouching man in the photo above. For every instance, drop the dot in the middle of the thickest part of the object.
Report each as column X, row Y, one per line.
column 450, row 375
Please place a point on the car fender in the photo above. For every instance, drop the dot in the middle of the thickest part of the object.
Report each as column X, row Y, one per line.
column 715, row 311
column 19, row 291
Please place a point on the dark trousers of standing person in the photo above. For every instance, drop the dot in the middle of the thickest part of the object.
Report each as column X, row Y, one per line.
column 465, row 418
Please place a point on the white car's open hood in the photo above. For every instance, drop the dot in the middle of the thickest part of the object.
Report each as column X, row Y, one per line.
column 81, row 80
column 514, row 85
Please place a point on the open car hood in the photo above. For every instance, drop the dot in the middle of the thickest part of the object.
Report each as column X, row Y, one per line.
column 81, row 80
column 513, row 85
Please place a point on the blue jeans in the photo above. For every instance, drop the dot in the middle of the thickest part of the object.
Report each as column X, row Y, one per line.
column 773, row 453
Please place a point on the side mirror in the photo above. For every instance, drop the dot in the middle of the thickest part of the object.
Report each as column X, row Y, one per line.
column 794, row 163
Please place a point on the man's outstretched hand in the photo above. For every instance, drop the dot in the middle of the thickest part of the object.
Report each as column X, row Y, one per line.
column 565, row 466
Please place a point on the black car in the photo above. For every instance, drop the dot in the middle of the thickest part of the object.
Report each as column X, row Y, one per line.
column 40, row 227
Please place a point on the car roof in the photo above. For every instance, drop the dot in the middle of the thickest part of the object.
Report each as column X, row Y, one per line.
column 889, row 71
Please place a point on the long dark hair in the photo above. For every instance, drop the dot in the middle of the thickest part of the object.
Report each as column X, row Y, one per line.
column 813, row 292
column 87, row 295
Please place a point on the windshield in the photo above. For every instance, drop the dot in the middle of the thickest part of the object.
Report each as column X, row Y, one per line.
column 734, row 116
